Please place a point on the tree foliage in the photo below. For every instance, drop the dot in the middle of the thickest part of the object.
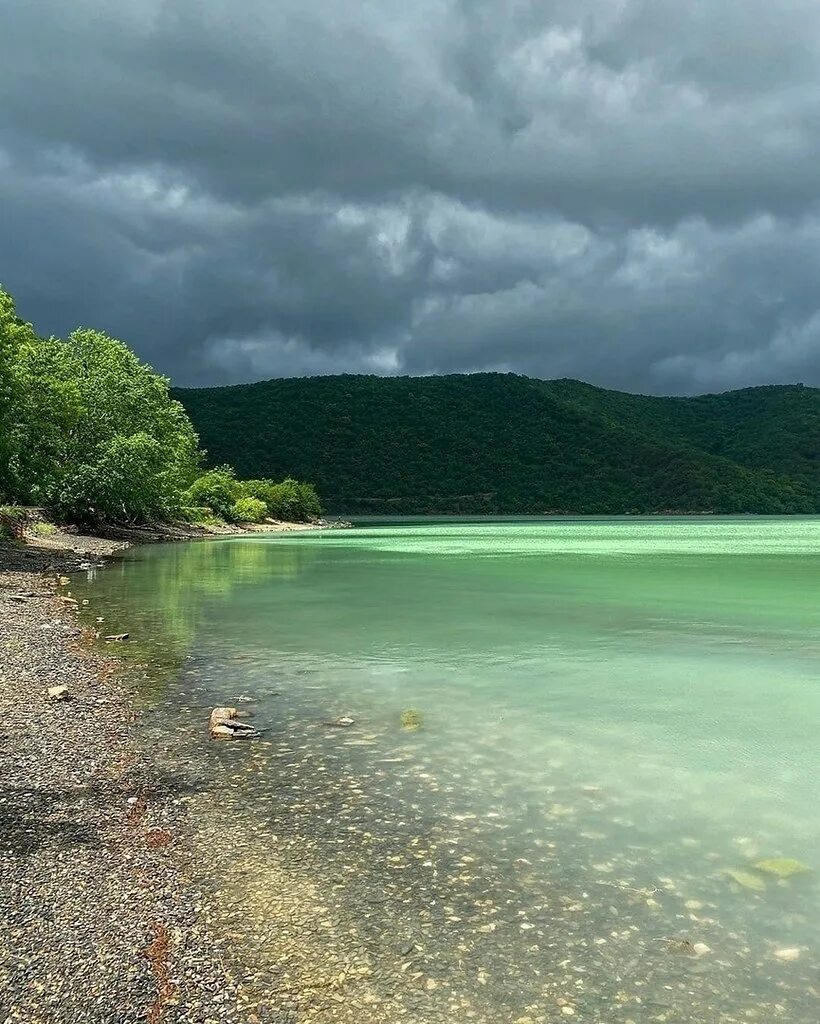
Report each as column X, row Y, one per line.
column 93, row 433
column 87, row 428
column 502, row 443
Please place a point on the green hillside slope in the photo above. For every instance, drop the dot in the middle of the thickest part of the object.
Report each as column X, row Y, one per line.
column 502, row 443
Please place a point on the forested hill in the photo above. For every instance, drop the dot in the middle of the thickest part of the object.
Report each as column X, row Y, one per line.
column 502, row 443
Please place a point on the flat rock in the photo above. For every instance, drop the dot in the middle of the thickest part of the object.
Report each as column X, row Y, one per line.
column 782, row 867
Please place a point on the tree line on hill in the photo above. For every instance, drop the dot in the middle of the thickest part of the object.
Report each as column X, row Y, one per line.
column 507, row 444
column 92, row 434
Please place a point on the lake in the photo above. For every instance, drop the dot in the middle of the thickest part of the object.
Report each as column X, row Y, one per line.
column 609, row 809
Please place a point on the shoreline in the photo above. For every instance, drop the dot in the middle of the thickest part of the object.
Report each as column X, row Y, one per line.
column 153, row 875
column 98, row 908
column 104, row 913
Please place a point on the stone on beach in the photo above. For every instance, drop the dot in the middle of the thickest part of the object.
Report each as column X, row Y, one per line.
column 58, row 692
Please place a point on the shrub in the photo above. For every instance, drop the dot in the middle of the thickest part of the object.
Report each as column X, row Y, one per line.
column 290, row 499
column 41, row 529
column 199, row 515
column 218, row 489
column 12, row 522
column 249, row 510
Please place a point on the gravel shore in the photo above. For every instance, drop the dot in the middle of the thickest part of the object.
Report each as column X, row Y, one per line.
column 100, row 919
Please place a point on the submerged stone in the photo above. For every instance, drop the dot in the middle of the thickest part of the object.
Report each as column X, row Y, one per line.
column 341, row 723
column 747, row 880
column 410, row 719
column 782, row 867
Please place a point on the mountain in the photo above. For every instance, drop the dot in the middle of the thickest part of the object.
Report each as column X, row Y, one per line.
column 503, row 443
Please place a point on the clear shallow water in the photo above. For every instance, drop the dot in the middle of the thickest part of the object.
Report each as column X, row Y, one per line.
column 615, row 714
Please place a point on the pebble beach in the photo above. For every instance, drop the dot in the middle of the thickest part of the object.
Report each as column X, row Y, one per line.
column 100, row 919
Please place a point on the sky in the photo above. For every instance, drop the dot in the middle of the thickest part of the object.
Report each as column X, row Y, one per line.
column 621, row 191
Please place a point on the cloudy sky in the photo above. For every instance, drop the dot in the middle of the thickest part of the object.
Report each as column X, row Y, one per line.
column 624, row 191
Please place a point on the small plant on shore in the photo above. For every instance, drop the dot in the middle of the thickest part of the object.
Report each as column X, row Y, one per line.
column 290, row 500
column 199, row 515
column 41, row 529
column 249, row 510
column 12, row 522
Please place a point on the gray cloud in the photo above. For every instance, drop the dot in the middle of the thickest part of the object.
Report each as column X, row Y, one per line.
column 623, row 191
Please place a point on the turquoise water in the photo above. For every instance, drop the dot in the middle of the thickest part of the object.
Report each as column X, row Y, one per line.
column 615, row 715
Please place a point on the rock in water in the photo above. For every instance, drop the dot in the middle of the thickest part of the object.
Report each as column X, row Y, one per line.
column 782, row 867
column 117, row 637
column 219, row 715
column 410, row 719
column 223, row 724
column 787, row 954
column 747, row 880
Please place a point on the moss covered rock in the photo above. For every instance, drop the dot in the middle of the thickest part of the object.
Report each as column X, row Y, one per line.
column 410, row 720
column 782, row 867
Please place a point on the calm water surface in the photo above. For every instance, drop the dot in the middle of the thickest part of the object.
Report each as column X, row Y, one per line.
column 616, row 714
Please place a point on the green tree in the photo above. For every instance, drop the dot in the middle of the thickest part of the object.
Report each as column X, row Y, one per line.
column 87, row 428
column 129, row 480
column 17, row 340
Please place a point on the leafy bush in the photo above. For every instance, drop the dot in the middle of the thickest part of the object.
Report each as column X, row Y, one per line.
column 249, row 510
column 294, row 501
column 44, row 529
column 218, row 489
column 290, row 500
column 199, row 515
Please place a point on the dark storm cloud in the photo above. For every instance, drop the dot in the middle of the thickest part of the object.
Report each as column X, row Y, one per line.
column 619, row 190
